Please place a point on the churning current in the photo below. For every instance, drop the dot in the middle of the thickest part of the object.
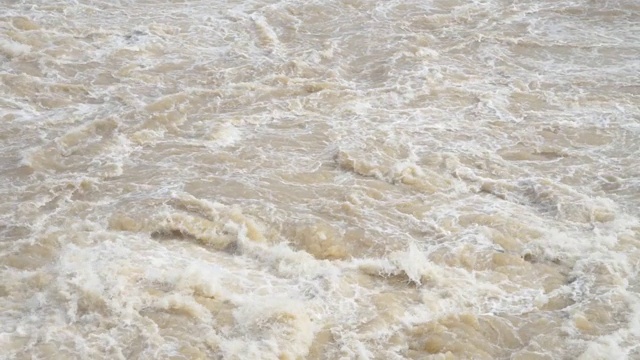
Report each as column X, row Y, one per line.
column 334, row 179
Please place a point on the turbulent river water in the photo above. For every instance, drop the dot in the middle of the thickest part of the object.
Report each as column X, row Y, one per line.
column 335, row 179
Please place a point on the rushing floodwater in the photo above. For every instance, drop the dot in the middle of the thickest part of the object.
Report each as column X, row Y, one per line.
column 355, row 179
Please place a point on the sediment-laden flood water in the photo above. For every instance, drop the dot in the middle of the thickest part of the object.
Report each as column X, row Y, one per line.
column 293, row 179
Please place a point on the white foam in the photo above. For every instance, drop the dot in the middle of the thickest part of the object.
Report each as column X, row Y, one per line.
column 13, row 49
column 226, row 135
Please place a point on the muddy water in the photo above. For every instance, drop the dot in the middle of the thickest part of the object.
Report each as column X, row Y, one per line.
column 319, row 179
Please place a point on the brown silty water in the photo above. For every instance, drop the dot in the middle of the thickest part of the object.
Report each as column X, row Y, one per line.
column 319, row 180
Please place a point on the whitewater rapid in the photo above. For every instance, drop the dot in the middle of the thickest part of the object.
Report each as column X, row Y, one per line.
column 291, row 179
